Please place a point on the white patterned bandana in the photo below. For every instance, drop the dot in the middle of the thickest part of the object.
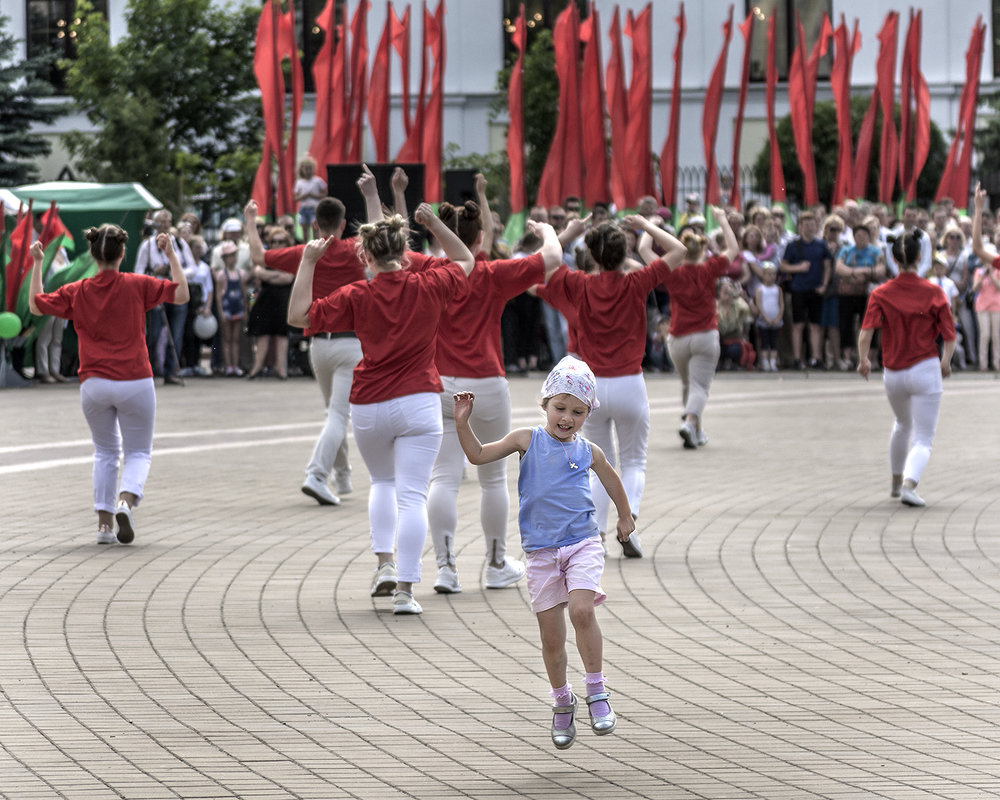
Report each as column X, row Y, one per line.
column 572, row 376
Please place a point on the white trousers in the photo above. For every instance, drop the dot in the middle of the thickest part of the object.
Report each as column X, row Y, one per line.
column 48, row 346
column 120, row 415
column 399, row 441
column 490, row 421
column 695, row 356
column 624, row 413
column 989, row 331
column 333, row 362
column 915, row 397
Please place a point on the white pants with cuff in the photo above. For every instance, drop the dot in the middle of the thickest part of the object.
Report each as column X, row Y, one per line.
column 624, row 407
column 120, row 415
column 333, row 362
column 490, row 421
column 915, row 397
column 695, row 356
column 399, row 441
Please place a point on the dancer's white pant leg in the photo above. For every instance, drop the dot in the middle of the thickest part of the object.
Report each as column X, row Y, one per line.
column 915, row 398
column 121, row 416
column 399, row 441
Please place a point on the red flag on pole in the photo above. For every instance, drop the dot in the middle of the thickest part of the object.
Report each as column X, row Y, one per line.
column 432, row 142
column 668, row 156
column 840, row 82
column 921, row 117
column 400, row 34
column 710, row 114
column 863, row 156
column 638, row 146
column 329, row 88
column 20, row 256
column 905, row 95
column 746, row 28
column 359, row 80
column 777, row 173
column 52, row 226
column 614, row 89
column 288, row 166
column 802, row 98
column 594, row 147
column 958, row 189
column 564, row 162
column 267, row 71
column 378, row 91
column 885, row 69
column 515, row 107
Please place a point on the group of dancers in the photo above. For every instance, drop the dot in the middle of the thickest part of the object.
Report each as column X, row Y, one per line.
column 406, row 347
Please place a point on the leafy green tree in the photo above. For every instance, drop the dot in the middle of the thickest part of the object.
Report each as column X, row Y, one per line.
column 22, row 88
column 171, row 100
column 987, row 144
column 825, row 150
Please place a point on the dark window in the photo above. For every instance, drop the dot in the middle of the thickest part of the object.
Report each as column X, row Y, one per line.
column 49, row 23
column 996, row 40
column 310, row 36
column 785, row 34
column 540, row 14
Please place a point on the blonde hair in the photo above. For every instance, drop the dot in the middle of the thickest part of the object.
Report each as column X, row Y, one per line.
column 695, row 244
column 385, row 240
column 307, row 160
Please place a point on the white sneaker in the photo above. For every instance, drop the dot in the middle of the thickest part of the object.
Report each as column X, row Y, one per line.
column 384, row 581
column 909, row 497
column 126, row 528
column 106, row 537
column 447, row 581
column 701, row 439
column 319, row 491
column 343, row 483
column 501, row 577
column 688, row 434
column 403, row 603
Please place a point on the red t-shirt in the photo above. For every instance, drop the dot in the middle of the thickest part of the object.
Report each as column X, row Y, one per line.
column 109, row 316
column 912, row 313
column 610, row 308
column 468, row 337
column 396, row 318
column 339, row 266
column 692, row 296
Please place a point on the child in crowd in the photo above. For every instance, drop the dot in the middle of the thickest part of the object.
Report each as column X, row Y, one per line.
column 230, row 297
column 559, row 534
column 769, row 302
column 309, row 190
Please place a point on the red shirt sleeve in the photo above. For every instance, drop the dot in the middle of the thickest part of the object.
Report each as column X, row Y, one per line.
column 285, row 259
column 60, row 302
column 335, row 312
column 156, row 291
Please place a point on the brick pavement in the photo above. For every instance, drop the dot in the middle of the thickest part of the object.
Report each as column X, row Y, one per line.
column 792, row 633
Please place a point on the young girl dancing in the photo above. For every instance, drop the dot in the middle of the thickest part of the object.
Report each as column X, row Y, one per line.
column 559, row 532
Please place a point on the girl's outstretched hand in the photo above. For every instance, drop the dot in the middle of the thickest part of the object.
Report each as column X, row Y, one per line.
column 37, row 251
column 625, row 527
column 463, row 406
column 165, row 242
column 366, row 183
column 315, row 249
column 424, row 214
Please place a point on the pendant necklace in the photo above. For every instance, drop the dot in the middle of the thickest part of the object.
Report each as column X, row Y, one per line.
column 572, row 465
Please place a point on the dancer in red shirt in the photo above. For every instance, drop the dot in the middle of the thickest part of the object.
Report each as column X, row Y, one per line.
column 395, row 405
column 693, row 342
column 912, row 313
column 116, row 379
column 608, row 310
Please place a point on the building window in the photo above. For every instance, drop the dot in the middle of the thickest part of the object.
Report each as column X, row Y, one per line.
column 49, row 23
column 811, row 14
column 539, row 15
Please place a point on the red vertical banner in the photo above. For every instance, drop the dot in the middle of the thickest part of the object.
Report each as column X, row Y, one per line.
column 564, row 163
column 378, row 90
column 844, row 48
column 801, row 98
column 515, row 108
column 777, row 182
column 905, row 153
column 359, row 81
column 329, row 87
column 290, row 50
column 746, row 29
column 614, row 89
column 432, row 144
column 412, row 149
column 921, row 115
column 594, row 147
column 400, row 35
column 668, row 156
column 267, row 71
column 638, row 143
column 710, row 114
column 970, row 99
column 885, row 69
column 863, row 155
column 20, row 256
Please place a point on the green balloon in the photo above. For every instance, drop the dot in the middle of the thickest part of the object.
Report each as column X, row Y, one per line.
column 10, row 325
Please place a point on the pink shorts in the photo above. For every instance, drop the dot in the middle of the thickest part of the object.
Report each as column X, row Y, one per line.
column 554, row 572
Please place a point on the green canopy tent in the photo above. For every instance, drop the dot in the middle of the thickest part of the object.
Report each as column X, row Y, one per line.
column 84, row 205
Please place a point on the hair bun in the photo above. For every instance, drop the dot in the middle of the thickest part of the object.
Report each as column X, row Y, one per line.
column 471, row 209
column 447, row 214
column 92, row 234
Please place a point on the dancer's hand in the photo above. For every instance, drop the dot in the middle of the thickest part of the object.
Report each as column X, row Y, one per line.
column 463, row 406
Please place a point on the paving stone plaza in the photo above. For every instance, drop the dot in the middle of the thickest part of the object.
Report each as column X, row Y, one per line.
column 791, row 633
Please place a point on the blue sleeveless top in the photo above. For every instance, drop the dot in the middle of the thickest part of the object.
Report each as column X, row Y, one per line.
column 557, row 508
